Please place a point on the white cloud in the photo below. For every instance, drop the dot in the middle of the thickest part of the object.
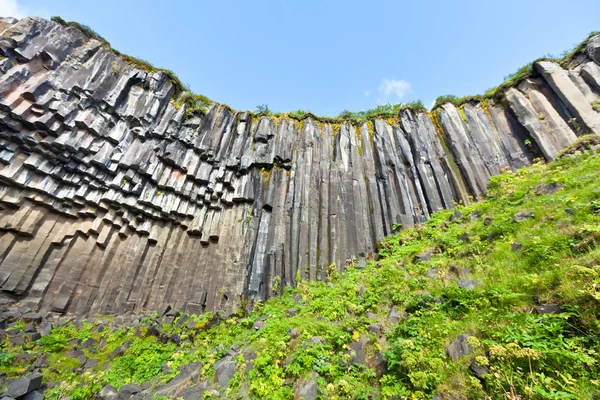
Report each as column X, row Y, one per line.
column 392, row 90
column 12, row 8
column 367, row 93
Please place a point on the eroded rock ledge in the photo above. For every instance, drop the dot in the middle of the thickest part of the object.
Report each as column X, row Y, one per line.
column 112, row 200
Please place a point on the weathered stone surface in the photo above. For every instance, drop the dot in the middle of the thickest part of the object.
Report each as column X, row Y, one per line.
column 224, row 371
column 459, row 347
column 522, row 216
column 24, row 385
column 307, row 390
column 113, row 200
column 468, row 284
column 548, row 188
column 549, row 309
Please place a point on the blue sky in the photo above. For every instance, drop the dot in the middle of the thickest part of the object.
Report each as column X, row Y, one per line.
column 327, row 56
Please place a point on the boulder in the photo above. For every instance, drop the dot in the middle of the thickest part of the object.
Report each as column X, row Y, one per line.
column 475, row 215
column 224, row 370
column 459, row 347
column 358, row 351
column 361, row 264
column 35, row 318
column 126, row 391
column 549, row 309
column 35, row 395
column 307, row 390
column 258, row 325
column 468, row 284
column 194, row 392
column 25, row 385
column 593, row 48
column 376, row 329
column 456, row 216
column 522, row 216
column 395, row 315
column 548, row 188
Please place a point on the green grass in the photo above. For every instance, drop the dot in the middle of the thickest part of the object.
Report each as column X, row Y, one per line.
column 534, row 356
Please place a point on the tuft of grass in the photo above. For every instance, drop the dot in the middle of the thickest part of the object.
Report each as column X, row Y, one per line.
column 456, row 101
column 89, row 32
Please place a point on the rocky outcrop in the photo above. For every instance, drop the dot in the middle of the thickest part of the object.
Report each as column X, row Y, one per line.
column 113, row 198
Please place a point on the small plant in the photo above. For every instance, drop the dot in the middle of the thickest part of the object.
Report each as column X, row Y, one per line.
column 263, row 109
column 541, row 116
column 276, row 285
column 596, row 105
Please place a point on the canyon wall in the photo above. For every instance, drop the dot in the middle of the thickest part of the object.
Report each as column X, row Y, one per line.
column 114, row 199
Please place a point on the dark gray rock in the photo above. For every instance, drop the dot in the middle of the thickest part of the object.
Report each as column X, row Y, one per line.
column 35, row 395
column 25, row 385
column 549, row 309
column 426, row 256
column 457, row 216
column 522, row 216
column 487, row 221
column 91, row 363
column 433, row 273
column 107, row 393
column 194, row 392
column 358, row 351
column 308, row 390
column 459, row 347
column 127, row 391
column 593, row 48
column 376, row 329
column 475, row 215
column 548, row 188
column 258, row 325
column 516, row 246
column 459, row 272
column 371, row 315
column 468, row 284
column 224, row 371
column 379, row 364
column 291, row 312
column 361, row 264
column 395, row 315
column 293, row 333
column 32, row 317
column 17, row 340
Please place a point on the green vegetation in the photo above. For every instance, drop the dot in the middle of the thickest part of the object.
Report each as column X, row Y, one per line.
column 359, row 117
column 457, row 101
column 411, row 294
column 89, row 32
column 196, row 104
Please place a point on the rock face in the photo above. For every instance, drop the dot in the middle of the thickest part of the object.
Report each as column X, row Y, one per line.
column 114, row 199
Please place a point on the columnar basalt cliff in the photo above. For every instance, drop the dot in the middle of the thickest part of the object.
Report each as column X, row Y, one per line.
column 113, row 198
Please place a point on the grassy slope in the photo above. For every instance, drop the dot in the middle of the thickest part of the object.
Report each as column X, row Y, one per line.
column 530, row 355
